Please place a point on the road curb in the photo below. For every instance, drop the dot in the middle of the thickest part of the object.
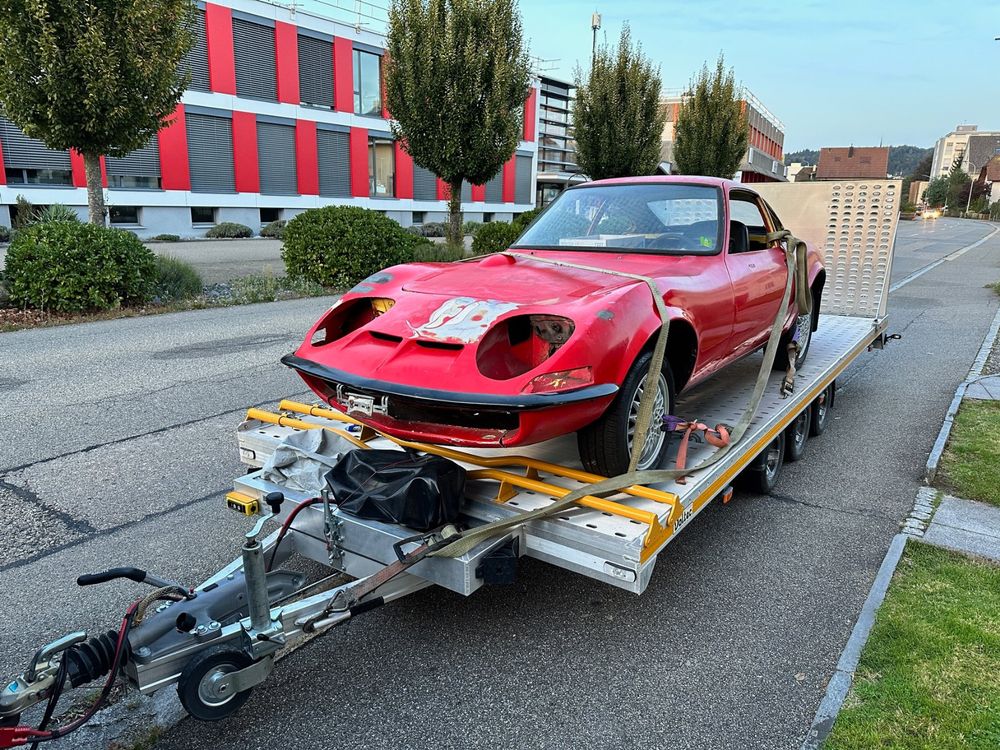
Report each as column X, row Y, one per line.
column 949, row 418
column 840, row 683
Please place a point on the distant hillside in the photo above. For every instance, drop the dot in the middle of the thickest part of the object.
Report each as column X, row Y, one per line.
column 903, row 160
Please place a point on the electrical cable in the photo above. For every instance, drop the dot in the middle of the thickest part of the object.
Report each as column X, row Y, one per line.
column 287, row 524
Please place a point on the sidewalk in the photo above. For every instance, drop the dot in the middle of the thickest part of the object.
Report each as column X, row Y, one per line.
column 966, row 526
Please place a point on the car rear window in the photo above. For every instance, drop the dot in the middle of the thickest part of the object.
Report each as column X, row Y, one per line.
column 638, row 217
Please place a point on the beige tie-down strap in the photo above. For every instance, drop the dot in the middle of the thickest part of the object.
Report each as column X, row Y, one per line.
column 795, row 262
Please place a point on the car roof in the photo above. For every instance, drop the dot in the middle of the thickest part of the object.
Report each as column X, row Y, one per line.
column 677, row 179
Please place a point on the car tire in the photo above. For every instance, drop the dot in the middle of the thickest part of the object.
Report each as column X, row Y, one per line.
column 805, row 324
column 762, row 474
column 796, row 435
column 604, row 443
column 820, row 409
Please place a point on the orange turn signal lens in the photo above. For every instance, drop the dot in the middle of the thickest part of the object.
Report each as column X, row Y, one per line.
column 564, row 380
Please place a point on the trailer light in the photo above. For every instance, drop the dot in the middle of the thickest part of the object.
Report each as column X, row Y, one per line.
column 564, row 380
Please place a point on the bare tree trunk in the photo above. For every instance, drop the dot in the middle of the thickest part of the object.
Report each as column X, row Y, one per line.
column 95, row 190
column 454, row 233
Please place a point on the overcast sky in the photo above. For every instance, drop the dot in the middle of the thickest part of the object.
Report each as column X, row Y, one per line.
column 836, row 73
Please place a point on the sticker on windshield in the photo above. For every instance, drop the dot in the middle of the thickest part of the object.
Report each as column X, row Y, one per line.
column 706, row 242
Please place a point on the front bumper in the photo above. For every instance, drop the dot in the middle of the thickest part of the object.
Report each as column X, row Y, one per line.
column 481, row 401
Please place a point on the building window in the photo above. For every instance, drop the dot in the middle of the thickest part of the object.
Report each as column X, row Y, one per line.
column 202, row 215
column 134, row 181
column 418, row 217
column 267, row 215
column 18, row 176
column 487, row 217
column 367, row 84
column 124, row 214
column 381, row 168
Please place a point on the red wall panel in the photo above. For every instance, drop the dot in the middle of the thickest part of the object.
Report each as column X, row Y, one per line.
column 343, row 74
column 478, row 193
column 219, row 42
column 174, row 171
column 306, row 157
column 245, row 152
column 76, row 164
column 3, row 176
column 358, row 140
column 529, row 116
column 443, row 190
column 508, row 179
column 286, row 55
column 404, row 173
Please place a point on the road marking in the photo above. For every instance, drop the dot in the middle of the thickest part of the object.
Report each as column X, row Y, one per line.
column 931, row 266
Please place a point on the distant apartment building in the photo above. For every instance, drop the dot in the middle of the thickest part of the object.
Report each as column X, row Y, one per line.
column 917, row 188
column 763, row 161
column 853, row 163
column 953, row 146
column 284, row 112
column 557, row 165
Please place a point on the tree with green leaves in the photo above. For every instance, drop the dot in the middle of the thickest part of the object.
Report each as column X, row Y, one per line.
column 711, row 134
column 99, row 77
column 456, row 79
column 618, row 120
column 936, row 192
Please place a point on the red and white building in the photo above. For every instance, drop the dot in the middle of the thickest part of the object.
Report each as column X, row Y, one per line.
column 764, row 159
column 284, row 112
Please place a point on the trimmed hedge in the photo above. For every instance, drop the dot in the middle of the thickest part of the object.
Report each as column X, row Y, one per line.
column 274, row 230
column 167, row 238
column 494, row 237
column 338, row 246
column 4, row 234
column 229, row 230
column 68, row 266
column 176, row 279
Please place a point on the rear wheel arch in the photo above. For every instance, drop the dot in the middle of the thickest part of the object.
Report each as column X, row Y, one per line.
column 817, row 294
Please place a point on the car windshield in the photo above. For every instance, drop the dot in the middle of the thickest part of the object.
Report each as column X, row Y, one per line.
column 638, row 217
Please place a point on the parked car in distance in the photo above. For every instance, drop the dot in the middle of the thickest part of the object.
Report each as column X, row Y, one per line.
column 509, row 349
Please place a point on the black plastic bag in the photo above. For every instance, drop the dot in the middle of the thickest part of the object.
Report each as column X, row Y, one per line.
column 416, row 490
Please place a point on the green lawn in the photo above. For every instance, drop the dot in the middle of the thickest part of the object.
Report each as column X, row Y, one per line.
column 971, row 462
column 929, row 676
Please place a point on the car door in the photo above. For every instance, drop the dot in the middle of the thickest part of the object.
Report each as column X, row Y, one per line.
column 757, row 273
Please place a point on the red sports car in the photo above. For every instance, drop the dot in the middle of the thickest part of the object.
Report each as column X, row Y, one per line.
column 506, row 351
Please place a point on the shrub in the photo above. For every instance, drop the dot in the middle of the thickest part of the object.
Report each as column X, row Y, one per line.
column 229, row 230
column 521, row 221
column 471, row 227
column 57, row 212
column 433, row 252
column 68, row 266
column 338, row 246
column 4, row 234
column 433, row 229
column 175, row 279
column 275, row 230
column 24, row 214
column 167, row 238
column 494, row 237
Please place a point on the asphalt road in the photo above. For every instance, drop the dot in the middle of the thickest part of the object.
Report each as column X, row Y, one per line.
column 119, row 446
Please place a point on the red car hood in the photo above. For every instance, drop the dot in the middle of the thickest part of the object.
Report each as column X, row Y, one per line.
column 502, row 277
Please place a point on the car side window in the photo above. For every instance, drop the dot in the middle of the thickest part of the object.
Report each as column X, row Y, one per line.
column 744, row 209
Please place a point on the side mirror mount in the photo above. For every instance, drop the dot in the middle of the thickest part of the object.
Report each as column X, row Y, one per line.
column 739, row 237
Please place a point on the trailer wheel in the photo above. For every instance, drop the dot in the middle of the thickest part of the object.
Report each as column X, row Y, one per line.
column 198, row 686
column 796, row 435
column 605, row 444
column 762, row 474
column 821, row 411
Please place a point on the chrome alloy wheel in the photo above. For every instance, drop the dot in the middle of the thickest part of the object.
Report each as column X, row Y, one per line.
column 655, row 436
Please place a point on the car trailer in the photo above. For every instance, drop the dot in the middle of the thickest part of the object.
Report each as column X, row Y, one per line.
column 219, row 640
